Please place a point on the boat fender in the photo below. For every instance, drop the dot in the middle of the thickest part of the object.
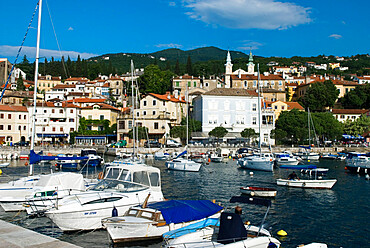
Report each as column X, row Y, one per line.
column 1, row 172
column 114, row 212
column 282, row 233
column 25, row 164
column 365, row 171
column 100, row 175
column 358, row 169
column 346, row 168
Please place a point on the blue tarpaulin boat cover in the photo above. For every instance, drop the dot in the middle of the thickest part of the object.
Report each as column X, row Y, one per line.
column 191, row 228
column 182, row 154
column 305, row 147
column 178, row 211
column 298, row 167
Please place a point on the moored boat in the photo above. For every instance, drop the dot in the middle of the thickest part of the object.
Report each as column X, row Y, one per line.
column 307, row 183
column 258, row 191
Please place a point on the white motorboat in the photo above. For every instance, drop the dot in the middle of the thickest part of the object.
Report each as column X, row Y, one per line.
column 313, row 245
column 307, row 183
column 22, row 183
column 152, row 220
column 183, row 164
column 258, row 191
column 161, row 156
column 44, row 193
column 216, row 158
column 285, row 159
column 307, row 155
column 262, row 161
column 123, row 186
column 358, row 163
column 4, row 165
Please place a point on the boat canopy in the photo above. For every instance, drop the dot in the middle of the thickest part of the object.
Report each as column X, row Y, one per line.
column 191, row 228
column 299, row 167
column 37, row 157
column 177, row 211
column 251, row 200
column 62, row 181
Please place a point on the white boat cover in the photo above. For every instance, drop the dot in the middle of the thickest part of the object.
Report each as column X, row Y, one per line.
column 62, row 180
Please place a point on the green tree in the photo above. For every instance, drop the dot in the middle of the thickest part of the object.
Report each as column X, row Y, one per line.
column 189, row 66
column 357, row 127
column 155, row 81
column 79, row 68
column 177, row 67
column 248, row 133
column 358, row 98
column 320, row 95
column 25, row 60
column 179, row 132
column 20, row 83
column 218, row 132
column 140, row 133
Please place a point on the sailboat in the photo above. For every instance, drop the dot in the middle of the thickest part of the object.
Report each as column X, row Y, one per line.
column 307, row 154
column 184, row 164
column 259, row 161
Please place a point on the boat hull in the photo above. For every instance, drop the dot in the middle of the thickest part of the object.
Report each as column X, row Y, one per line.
column 314, row 183
column 183, row 166
column 259, row 192
column 256, row 164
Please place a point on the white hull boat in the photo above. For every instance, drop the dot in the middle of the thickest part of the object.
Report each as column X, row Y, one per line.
column 310, row 156
column 123, row 186
column 181, row 164
column 216, row 158
column 285, row 159
column 258, row 191
column 150, row 222
column 4, row 165
column 307, row 183
column 256, row 162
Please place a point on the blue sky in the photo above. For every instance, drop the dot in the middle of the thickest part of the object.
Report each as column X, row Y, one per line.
column 268, row 27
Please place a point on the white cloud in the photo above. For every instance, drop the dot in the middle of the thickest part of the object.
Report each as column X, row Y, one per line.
column 172, row 4
column 246, row 14
column 70, row 29
column 171, row 45
column 335, row 36
column 11, row 51
column 250, row 45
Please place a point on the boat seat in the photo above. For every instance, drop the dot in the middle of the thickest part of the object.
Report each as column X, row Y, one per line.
column 120, row 186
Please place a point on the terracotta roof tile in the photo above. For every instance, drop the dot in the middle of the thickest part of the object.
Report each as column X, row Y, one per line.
column 13, row 108
column 231, row 92
column 86, row 100
column 165, row 97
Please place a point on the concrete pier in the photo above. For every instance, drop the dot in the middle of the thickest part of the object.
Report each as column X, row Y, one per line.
column 14, row 236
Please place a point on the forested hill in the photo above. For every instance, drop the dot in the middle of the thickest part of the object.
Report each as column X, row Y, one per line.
column 167, row 57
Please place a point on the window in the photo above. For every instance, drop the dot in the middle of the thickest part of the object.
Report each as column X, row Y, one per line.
column 9, row 116
column 245, row 83
column 45, row 120
column 71, row 111
column 254, row 107
column 89, row 117
column 129, row 124
column 144, row 112
column 101, row 117
column 43, row 129
column 60, row 111
column 9, row 127
column 137, row 113
column 254, row 120
column 276, row 107
column 20, row 117
column 71, row 129
column 45, row 111
column 144, row 103
column 195, row 84
column 227, row 105
column 154, row 113
column 100, row 128
column 53, row 111
column 342, row 116
column 71, row 120
column 254, row 83
column 273, row 83
column 156, row 125
column 1, row 127
column 24, row 127
column 280, row 83
column 2, row 116
column 189, row 84
column 207, row 84
column 177, row 84
column 154, row 102
column 282, row 107
column 53, row 129
column 24, row 117
column 121, row 124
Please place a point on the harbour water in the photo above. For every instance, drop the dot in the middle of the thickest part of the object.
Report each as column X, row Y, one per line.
column 338, row 217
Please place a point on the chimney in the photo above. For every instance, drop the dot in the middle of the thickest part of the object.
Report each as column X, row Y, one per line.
column 176, row 92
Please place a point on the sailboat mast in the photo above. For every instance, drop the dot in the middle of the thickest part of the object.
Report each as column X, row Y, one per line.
column 133, row 107
column 35, row 87
column 187, row 118
column 309, row 127
column 259, row 108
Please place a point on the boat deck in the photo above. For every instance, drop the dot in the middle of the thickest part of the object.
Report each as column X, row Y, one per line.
column 15, row 236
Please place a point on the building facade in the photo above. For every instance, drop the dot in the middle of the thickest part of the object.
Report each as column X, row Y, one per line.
column 14, row 121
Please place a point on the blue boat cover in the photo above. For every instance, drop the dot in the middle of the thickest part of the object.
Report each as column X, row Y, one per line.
column 299, row 167
column 178, row 211
column 305, row 147
column 182, row 154
column 191, row 228
column 37, row 157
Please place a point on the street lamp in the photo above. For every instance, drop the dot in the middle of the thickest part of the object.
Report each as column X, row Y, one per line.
column 292, row 140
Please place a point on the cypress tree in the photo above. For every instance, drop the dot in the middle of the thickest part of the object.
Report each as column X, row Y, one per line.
column 177, row 67
column 189, row 67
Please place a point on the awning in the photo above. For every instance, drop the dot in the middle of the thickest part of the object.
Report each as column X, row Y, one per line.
column 89, row 137
column 52, row 135
column 178, row 211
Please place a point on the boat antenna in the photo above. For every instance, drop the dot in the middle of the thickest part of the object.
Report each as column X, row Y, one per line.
column 35, row 87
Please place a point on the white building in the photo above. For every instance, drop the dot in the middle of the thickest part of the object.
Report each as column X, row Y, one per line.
column 233, row 109
column 13, row 124
column 54, row 121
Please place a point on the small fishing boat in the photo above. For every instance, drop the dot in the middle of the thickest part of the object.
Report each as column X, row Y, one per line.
column 285, row 159
column 329, row 156
column 4, row 165
column 161, row 156
column 150, row 221
column 216, row 158
column 313, row 245
column 259, row 191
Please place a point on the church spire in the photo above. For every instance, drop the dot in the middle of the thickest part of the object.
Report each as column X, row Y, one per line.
column 250, row 56
column 228, row 58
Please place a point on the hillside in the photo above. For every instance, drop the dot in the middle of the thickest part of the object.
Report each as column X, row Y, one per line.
column 121, row 61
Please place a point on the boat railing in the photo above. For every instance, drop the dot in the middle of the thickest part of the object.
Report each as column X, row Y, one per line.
column 40, row 205
column 206, row 243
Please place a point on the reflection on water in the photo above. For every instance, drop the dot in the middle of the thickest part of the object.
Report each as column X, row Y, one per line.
column 338, row 217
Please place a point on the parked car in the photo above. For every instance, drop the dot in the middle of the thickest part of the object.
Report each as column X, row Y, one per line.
column 119, row 144
column 172, row 143
column 152, row 143
column 21, row 143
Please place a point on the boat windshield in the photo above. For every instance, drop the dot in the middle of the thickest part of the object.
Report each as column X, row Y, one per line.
column 118, row 185
column 118, row 173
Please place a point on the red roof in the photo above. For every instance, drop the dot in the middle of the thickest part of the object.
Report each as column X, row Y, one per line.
column 350, row 111
column 253, row 77
column 294, row 105
column 187, row 77
column 13, row 108
column 166, row 98
column 86, row 100
column 103, row 106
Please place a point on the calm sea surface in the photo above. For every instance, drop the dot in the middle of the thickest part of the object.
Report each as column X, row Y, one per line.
column 338, row 217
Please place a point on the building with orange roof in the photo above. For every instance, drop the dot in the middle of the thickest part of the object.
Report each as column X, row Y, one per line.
column 100, row 111
column 158, row 113
column 76, row 80
column 13, row 124
column 118, row 88
column 19, row 98
column 184, row 83
column 85, row 102
column 280, row 106
column 45, row 83
column 343, row 115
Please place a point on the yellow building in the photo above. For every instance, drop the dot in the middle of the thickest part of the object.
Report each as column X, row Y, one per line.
column 100, row 111
column 280, row 106
column 45, row 83
column 13, row 124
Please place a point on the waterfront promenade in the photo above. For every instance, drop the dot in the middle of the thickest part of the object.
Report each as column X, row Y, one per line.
column 13, row 236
